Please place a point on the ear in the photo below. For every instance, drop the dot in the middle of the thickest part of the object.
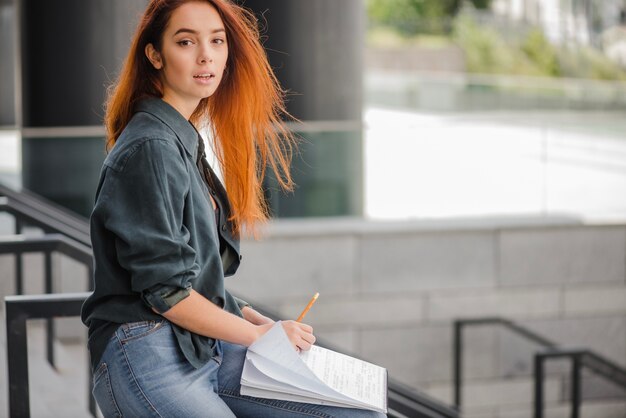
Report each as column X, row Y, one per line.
column 153, row 56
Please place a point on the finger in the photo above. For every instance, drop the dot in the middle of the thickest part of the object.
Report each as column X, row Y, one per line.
column 307, row 328
column 309, row 338
column 304, row 345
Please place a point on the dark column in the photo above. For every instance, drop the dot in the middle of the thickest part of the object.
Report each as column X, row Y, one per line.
column 7, row 63
column 71, row 50
column 315, row 47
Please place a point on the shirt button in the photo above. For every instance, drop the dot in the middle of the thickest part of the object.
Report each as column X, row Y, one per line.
column 212, row 192
column 224, row 227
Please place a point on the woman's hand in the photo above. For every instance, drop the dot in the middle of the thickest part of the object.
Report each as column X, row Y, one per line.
column 300, row 335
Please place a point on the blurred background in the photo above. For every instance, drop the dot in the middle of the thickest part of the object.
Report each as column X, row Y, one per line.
column 461, row 172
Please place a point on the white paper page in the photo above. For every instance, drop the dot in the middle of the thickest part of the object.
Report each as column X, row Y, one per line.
column 273, row 355
column 256, row 383
column 332, row 375
column 360, row 380
column 271, row 370
column 275, row 346
column 257, row 379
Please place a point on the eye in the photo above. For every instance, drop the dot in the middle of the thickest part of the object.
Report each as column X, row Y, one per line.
column 184, row 42
column 219, row 41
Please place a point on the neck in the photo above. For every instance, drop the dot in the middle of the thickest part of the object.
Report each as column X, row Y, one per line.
column 184, row 108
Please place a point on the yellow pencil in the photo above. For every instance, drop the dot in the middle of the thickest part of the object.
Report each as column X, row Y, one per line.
column 311, row 302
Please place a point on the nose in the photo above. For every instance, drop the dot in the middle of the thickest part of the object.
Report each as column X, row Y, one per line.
column 204, row 55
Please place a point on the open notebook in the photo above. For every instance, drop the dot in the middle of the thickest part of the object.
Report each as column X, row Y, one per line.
column 273, row 369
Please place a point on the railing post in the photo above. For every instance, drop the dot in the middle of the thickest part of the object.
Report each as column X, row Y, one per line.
column 19, row 267
column 539, row 375
column 576, row 363
column 18, row 310
column 49, row 321
column 457, row 362
column 17, row 360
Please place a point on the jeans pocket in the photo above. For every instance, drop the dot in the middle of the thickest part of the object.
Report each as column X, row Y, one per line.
column 103, row 393
column 135, row 330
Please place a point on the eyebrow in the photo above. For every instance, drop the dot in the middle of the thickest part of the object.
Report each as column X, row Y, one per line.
column 195, row 32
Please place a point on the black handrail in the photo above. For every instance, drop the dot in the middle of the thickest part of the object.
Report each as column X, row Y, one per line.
column 19, row 244
column 47, row 207
column 604, row 367
column 579, row 357
column 457, row 338
column 26, row 213
column 33, row 212
column 19, row 309
column 539, row 375
column 411, row 403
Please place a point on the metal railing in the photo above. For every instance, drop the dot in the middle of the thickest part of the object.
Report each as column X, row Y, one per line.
column 405, row 401
column 26, row 214
column 46, row 207
column 579, row 358
column 31, row 210
column 550, row 350
column 20, row 309
column 47, row 244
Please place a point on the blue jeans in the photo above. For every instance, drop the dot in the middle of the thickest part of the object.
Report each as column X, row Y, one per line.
column 142, row 373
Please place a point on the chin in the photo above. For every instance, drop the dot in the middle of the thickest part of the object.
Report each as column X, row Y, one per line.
column 208, row 93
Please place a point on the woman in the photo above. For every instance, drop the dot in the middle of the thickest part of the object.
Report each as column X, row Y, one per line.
column 165, row 337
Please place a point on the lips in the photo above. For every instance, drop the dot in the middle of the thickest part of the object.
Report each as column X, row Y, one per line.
column 204, row 76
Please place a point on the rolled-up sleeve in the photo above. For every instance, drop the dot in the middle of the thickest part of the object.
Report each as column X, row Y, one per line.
column 145, row 212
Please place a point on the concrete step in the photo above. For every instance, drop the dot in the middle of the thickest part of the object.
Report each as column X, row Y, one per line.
column 589, row 409
column 513, row 398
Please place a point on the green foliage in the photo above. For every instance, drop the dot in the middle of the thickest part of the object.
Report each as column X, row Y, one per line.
column 390, row 11
column 487, row 52
column 589, row 63
column 541, row 52
column 482, row 4
column 416, row 16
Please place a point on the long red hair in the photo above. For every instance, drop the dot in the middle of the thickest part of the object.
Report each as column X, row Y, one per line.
column 244, row 112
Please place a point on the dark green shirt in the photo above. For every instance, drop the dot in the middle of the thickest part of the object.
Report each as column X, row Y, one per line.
column 154, row 233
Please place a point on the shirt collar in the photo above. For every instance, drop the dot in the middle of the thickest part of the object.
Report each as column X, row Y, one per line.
column 184, row 130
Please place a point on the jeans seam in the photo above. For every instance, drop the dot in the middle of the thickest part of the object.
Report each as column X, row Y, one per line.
column 139, row 324
column 270, row 402
column 152, row 330
column 134, row 379
column 108, row 388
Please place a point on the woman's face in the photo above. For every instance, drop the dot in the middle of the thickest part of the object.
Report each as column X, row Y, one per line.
column 192, row 57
